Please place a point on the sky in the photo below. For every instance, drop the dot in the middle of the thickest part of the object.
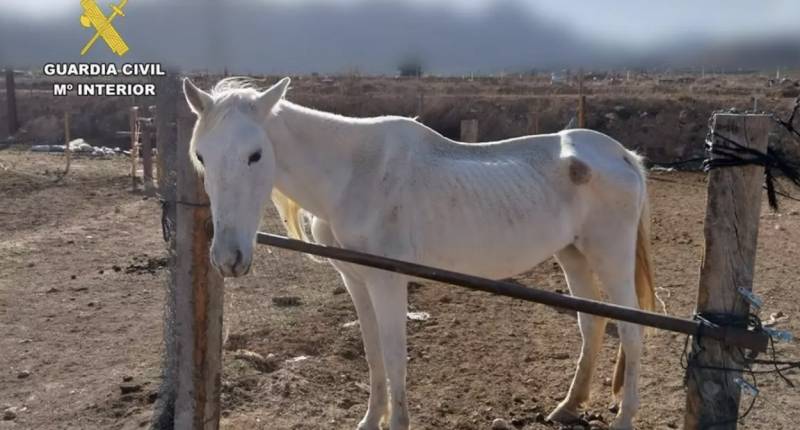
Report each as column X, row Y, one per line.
column 634, row 23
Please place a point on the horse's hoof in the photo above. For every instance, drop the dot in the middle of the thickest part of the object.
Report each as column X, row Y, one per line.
column 563, row 416
column 368, row 426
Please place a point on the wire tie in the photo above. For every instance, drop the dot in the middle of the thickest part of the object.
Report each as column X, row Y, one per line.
column 751, row 298
column 746, row 386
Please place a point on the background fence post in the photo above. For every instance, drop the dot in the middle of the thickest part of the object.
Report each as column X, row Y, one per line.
column 147, row 155
column 67, row 138
column 199, row 296
column 11, row 100
column 134, row 120
column 167, row 99
column 469, row 130
column 533, row 123
column 731, row 231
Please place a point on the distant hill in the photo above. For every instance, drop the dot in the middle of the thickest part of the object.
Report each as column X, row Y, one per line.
column 250, row 37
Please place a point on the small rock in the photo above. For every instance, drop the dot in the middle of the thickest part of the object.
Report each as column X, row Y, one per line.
column 127, row 378
column 259, row 362
column 597, row 425
column 559, row 356
column 52, row 290
column 9, row 414
column 23, row 374
column 31, row 264
column 593, row 416
column 500, row 424
column 73, row 277
column 614, row 408
column 129, row 388
column 116, row 268
column 339, row 290
column 286, row 301
column 418, row 316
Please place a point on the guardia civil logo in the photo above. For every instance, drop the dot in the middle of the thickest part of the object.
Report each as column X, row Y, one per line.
column 94, row 18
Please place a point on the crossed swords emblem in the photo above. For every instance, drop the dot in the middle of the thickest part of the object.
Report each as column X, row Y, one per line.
column 94, row 17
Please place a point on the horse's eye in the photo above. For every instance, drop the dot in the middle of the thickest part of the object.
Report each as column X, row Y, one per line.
column 254, row 157
column 199, row 158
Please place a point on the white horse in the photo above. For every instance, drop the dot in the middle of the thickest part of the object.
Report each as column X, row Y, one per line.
column 393, row 187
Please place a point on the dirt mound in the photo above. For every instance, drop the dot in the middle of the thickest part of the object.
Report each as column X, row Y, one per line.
column 143, row 264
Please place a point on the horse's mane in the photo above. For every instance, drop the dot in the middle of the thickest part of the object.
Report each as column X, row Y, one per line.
column 235, row 83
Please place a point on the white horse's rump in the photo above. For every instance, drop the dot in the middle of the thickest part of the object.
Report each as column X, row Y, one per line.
column 393, row 187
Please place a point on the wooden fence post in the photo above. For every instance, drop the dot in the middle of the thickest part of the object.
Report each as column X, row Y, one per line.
column 134, row 120
column 199, row 296
column 147, row 156
column 167, row 100
column 11, row 100
column 67, row 138
column 731, row 232
column 469, row 130
column 533, row 124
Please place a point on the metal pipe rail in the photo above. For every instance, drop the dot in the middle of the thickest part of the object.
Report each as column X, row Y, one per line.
column 741, row 337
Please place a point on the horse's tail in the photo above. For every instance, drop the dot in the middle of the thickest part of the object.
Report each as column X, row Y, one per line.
column 290, row 213
column 294, row 218
column 645, row 289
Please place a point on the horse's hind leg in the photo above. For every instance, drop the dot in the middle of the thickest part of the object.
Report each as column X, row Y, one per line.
column 581, row 284
column 378, row 405
column 614, row 264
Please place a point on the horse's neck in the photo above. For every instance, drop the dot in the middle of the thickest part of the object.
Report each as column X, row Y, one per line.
column 314, row 155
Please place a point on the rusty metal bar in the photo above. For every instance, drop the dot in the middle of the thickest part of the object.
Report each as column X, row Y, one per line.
column 756, row 341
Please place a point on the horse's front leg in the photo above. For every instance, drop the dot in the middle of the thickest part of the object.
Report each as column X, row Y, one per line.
column 378, row 406
column 389, row 294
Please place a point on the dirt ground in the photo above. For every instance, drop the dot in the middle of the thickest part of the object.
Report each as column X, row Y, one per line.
column 82, row 289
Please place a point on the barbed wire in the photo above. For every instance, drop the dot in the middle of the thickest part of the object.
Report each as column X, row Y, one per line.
column 722, row 151
column 690, row 360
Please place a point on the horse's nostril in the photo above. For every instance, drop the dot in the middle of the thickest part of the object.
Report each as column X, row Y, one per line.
column 238, row 258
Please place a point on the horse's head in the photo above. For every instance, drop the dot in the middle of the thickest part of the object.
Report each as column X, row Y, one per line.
column 231, row 147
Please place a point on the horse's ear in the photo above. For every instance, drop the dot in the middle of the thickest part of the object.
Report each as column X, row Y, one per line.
column 269, row 98
column 199, row 100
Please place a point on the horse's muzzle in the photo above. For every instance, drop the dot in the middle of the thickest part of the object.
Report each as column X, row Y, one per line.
column 231, row 264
